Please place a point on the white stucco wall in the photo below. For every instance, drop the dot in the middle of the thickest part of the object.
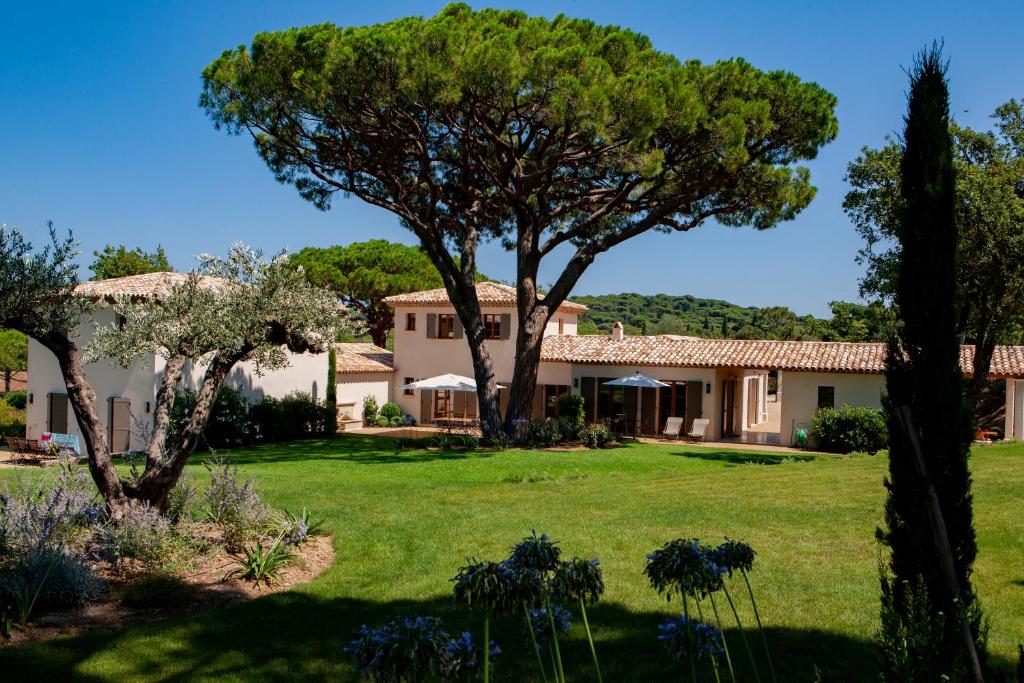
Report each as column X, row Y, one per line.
column 352, row 388
column 137, row 384
column 418, row 357
column 800, row 395
column 1013, row 427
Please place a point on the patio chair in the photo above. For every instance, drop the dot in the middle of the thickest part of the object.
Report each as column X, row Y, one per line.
column 673, row 426
column 698, row 430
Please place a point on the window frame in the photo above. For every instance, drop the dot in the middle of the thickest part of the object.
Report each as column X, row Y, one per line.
column 492, row 326
column 410, row 321
column 408, row 392
column 830, row 391
column 446, row 326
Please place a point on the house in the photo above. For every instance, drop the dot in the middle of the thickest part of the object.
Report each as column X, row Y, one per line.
column 126, row 396
column 728, row 381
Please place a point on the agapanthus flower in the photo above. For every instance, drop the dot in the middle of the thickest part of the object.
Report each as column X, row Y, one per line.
column 541, row 625
column 684, row 566
column 578, row 579
column 535, row 552
column 734, row 556
column 296, row 531
column 405, row 648
column 683, row 637
column 494, row 586
column 461, row 658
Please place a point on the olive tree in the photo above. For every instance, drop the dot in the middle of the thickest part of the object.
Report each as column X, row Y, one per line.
column 231, row 310
column 557, row 138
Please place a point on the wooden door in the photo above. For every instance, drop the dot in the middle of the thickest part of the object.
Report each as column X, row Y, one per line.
column 57, row 413
column 694, row 403
column 119, row 425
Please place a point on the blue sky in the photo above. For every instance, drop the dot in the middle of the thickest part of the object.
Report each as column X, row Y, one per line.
column 100, row 129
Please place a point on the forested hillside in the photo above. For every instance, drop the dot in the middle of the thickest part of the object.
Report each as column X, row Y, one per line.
column 714, row 318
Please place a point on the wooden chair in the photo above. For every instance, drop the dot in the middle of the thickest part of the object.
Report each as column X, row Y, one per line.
column 698, row 430
column 673, row 426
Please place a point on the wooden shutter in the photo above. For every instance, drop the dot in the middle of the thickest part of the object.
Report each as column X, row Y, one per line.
column 57, row 413
column 694, row 403
column 506, row 326
column 538, row 402
column 587, row 389
column 119, row 425
column 426, row 406
column 459, row 404
column 503, row 402
column 457, row 330
column 431, row 325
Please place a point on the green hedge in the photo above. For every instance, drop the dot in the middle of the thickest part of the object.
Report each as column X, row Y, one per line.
column 848, row 429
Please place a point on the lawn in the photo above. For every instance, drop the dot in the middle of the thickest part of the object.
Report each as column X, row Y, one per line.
column 404, row 522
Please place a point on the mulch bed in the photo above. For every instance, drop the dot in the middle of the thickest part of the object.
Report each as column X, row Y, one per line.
column 207, row 588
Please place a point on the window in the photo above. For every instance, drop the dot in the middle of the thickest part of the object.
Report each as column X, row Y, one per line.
column 610, row 400
column 551, row 394
column 446, row 326
column 492, row 326
column 410, row 322
column 442, row 403
column 672, row 399
column 826, row 397
column 408, row 392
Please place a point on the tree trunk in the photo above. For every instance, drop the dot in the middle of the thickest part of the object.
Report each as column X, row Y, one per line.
column 161, row 477
column 83, row 402
column 529, row 338
column 162, row 413
column 7, row 381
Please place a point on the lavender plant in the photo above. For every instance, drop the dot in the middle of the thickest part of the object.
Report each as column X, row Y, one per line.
column 49, row 512
column 142, row 534
column 234, row 505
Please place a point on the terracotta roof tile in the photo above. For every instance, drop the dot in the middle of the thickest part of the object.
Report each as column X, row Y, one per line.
column 798, row 356
column 360, row 357
column 489, row 294
column 138, row 286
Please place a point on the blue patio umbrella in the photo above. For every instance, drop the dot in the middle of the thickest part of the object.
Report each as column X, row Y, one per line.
column 640, row 381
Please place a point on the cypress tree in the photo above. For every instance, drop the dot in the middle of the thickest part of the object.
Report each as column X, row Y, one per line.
column 923, row 375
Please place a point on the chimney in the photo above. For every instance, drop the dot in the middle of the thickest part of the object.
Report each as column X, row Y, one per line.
column 617, row 332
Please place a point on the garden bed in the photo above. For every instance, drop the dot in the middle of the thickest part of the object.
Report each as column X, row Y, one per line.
column 204, row 587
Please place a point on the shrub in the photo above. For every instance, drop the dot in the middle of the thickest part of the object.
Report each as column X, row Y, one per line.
column 572, row 415
column 48, row 578
column 295, row 416
column 158, row 590
column 849, row 428
column 229, row 424
column 234, row 505
column 596, row 436
column 391, row 410
column 12, row 420
column 383, row 421
column 179, row 500
column 299, row 528
column 142, row 534
column 397, row 422
column 16, row 399
column 370, row 408
column 543, row 433
column 47, row 513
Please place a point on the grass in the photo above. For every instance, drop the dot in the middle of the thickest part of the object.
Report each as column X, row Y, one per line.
column 404, row 522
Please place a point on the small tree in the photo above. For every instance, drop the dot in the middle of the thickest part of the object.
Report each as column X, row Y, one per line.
column 928, row 512
column 119, row 261
column 551, row 137
column 363, row 274
column 13, row 354
column 230, row 310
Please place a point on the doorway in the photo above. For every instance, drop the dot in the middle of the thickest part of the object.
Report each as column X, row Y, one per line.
column 729, row 407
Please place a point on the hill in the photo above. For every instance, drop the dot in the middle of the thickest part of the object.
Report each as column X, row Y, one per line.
column 715, row 318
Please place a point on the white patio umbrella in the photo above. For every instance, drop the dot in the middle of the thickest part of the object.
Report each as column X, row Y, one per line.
column 445, row 382
column 640, row 381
